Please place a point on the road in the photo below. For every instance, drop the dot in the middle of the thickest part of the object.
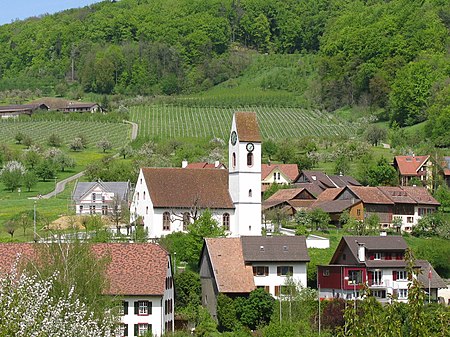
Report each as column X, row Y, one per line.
column 62, row 184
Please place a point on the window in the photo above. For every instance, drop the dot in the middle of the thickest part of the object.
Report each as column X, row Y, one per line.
column 274, row 176
column 250, row 193
column 284, row 290
column 142, row 328
column 379, row 293
column 260, row 270
column 141, row 180
column 92, row 209
column 278, row 175
column 104, row 210
column 103, row 198
column 143, row 197
column 122, row 330
column 226, row 221
column 402, row 275
column 377, row 256
column 93, row 197
column 146, row 210
column 344, row 257
column 143, row 308
column 249, row 159
column 166, row 221
column 358, row 212
column 403, row 293
column 186, row 220
column 123, row 310
column 285, row 270
column 410, row 219
column 354, row 276
column 266, row 288
column 234, row 159
column 137, row 195
column 377, row 277
column 81, row 208
column 326, row 272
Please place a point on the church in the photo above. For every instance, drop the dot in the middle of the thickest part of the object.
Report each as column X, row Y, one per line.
column 167, row 200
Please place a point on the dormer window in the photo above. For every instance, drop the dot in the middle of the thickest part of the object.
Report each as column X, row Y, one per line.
column 314, row 178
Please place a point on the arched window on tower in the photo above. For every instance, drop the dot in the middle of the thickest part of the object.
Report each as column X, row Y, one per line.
column 186, row 220
column 249, row 159
column 226, row 221
column 250, row 193
column 234, row 159
column 166, row 221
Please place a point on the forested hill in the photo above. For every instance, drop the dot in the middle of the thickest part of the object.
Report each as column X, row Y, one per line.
column 389, row 54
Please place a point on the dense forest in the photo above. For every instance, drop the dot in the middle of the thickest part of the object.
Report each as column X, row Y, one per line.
column 392, row 56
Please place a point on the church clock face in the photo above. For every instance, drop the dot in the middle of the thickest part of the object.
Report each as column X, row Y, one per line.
column 233, row 138
column 250, row 147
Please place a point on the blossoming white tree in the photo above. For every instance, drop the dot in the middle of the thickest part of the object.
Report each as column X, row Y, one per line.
column 28, row 309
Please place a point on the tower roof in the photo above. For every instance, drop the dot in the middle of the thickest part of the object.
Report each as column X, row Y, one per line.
column 247, row 127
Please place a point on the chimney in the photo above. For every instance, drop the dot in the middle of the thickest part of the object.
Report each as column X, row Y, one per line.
column 268, row 162
column 184, row 163
column 216, row 164
column 361, row 252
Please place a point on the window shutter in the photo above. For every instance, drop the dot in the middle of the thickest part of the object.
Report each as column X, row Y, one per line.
column 278, row 271
column 149, row 307
column 394, row 275
column 125, row 307
column 136, row 308
column 370, row 277
column 136, row 329
column 254, row 271
column 267, row 289
column 266, row 271
column 126, row 330
column 409, row 276
column 277, row 290
column 372, row 256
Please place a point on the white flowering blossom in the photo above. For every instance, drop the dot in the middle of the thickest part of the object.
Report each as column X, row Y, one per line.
column 13, row 166
column 52, row 153
column 28, row 310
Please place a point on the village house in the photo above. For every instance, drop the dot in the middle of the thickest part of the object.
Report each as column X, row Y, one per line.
column 236, row 266
column 377, row 261
column 410, row 167
column 8, row 111
column 281, row 174
column 100, row 197
column 167, row 200
column 446, row 170
column 321, row 181
column 139, row 273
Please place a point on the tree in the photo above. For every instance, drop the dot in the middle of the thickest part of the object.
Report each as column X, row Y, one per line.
column 126, row 151
column 319, row 219
column 77, row 144
column 256, row 310
column 29, row 304
column 64, row 161
column 54, row 140
column 269, row 148
column 24, row 219
column 12, row 175
column 29, row 180
column 27, row 141
column 104, row 145
column 19, row 137
column 375, row 134
column 11, row 226
column 342, row 165
column 382, row 174
column 46, row 170
column 32, row 157
column 226, row 313
column 188, row 288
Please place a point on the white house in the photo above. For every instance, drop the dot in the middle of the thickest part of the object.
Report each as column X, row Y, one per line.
column 282, row 174
column 138, row 273
column 99, row 197
column 236, row 266
column 168, row 199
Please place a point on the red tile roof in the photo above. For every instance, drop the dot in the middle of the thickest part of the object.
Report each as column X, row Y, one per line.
column 230, row 272
column 134, row 268
column 421, row 195
column 247, row 127
column 409, row 165
column 370, row 195
column 397, row 195
column 202, row 165
column 285, row 194
column 329, row 194
column 178, row 187
column 289, row 170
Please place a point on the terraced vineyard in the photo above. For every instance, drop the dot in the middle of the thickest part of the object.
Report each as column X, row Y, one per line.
column 40, row 130
column 167, row 121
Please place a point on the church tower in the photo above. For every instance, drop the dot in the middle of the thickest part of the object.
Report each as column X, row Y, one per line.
column 244, row 165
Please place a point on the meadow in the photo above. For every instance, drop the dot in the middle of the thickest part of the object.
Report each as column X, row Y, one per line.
column 176, row 121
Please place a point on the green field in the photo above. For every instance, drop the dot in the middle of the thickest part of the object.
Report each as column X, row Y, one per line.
column 171, row 121
column 40, row 130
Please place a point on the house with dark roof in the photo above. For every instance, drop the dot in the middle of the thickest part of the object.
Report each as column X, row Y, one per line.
column 167, row 200
column 8, row 111
column 100, row 197
column 282, row 174
column 377, row 261
column 322, row 181
column 409, row 167
column 236, row 266
column 290, row 200
column 139, row 273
